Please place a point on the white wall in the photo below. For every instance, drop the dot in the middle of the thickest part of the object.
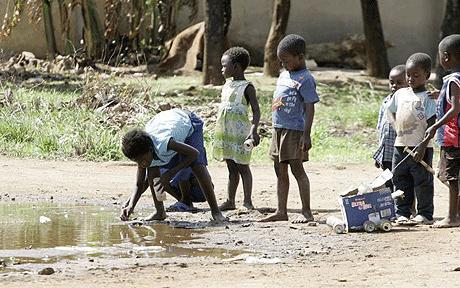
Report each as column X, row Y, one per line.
column 410, row 25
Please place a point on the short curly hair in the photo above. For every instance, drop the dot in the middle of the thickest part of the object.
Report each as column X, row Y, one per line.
column 239, row 55
column 136, row 142
column 450, row 44
column 293, row 44
column 422, row 60
column 400, row 69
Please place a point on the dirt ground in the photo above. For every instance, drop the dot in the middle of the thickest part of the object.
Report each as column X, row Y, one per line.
column 302, row 255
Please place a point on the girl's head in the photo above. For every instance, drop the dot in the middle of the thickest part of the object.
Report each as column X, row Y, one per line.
column 449, row 52
column 418, row 70
column 138, row 147
column 291, row 52
column 234, row 61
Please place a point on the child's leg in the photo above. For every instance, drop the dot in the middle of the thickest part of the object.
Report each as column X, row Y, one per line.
column 452, row 219
column 185, row 191
column 458, row 203
column 232, row 185
column 403, row 181
column 204, row 179
column 246, row 176
column 176, row 193
column 304, row 188
column 282, row 188
column 388, row 165
column 423, row 186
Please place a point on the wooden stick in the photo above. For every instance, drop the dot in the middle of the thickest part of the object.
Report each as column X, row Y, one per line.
column 427, row 167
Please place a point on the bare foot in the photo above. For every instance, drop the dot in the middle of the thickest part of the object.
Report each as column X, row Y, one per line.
column 228, row 205
column 275, row 217
column 155, row 217
column 446, row 223
column 304, row 218
column 248, row 206
column 219, row 218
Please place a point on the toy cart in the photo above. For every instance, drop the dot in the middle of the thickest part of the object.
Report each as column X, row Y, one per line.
column 368, row 211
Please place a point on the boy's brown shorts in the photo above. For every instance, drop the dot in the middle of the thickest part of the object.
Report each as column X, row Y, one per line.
column 449, row 164
column 285, row 145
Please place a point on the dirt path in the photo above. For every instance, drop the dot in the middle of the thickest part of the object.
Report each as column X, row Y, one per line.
column 305, row 256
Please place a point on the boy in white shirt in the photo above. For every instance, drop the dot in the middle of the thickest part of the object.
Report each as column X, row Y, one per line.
column 412, row 111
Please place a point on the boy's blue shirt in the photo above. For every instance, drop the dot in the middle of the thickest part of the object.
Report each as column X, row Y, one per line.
column 174, row 123
column 293, row 90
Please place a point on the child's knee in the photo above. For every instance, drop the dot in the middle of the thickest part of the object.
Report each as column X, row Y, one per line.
column 243, row 169
column 297, row 169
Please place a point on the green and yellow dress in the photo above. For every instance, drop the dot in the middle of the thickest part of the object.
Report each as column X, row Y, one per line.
column 233, row 125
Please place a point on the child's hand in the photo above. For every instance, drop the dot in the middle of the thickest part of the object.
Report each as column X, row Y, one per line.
column 255, row 138
column 376, row 164
column 420, row 152
column 165, row 179
column 305, row 142
column 433, row 94
column 429, row 133
column 125, row 212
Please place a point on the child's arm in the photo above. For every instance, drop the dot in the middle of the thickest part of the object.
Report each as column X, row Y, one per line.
column 420, row 152
column 250, row 94
column 305, row 140
column 391, row 109
column 433, row 93
column 453, row 111
column 190, row 153
column 141, row 185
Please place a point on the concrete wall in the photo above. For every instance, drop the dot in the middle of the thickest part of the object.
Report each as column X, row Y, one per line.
column 410, row 25
column 27, row 36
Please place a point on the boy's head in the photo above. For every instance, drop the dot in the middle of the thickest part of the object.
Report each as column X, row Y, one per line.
column 137, row 146
column 291, row 52
column 235, row 59
column 397, row 78
column 418, row 70
column 449, row 51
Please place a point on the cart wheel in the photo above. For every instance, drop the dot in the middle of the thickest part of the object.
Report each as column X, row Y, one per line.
column 385, row 225
column 369, row 226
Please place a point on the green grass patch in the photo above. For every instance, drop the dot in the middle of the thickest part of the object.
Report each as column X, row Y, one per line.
column 47, row 121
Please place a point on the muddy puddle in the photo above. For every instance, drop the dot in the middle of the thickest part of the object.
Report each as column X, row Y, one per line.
column 47, row 233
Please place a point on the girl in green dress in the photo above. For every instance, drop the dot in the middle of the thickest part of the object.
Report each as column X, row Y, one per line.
column 235, row 134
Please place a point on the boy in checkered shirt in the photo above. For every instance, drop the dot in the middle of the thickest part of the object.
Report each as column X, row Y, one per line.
column 384, row 155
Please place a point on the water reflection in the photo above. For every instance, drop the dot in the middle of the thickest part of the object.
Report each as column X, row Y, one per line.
column 87, row 230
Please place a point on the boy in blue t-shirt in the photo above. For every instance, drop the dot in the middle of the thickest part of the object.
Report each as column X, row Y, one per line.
column 173, row 140
column 293, row 111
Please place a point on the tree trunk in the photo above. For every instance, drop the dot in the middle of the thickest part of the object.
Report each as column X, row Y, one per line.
column 49, row 28
column 213, row 42
column 376, row 52
column 278, row 27
column 136, row 21
column 93, row 32
column 65, row 28
column 227, row 15
column 450, row 25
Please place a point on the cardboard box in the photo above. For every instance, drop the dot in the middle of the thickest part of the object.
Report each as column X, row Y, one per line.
column 373, row 206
